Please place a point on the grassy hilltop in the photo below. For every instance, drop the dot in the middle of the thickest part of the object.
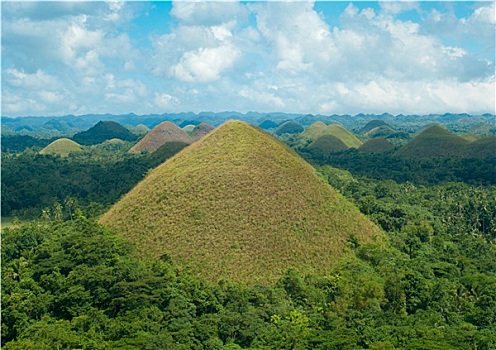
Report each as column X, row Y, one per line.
column 62, row 147
column 161, row 134
column 239, row 205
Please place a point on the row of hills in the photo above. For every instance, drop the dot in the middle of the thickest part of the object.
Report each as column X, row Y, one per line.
column 69, row 125
column 317, row 141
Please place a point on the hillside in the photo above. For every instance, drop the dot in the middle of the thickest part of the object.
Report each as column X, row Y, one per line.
column 313, row 130
column 62, row 147
column 348, row 138
column 201, row 130
column 380, row 131
column 372, row 125
column 324, row 145
column 289, row 127
column 483, row 148
column 163, row 133
column 103, row 131
column 239, row 205
column 377, row 145
column 434, row 141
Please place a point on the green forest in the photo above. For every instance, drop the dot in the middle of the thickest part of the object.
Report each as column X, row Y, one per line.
column 69, row 282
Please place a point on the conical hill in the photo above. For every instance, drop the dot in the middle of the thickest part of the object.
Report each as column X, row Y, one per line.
column 239, row 205
column 377, row 145
column 201, row 130
column 103, row 131
column 163, row 133
column 433, row 142
column 348, row 138
column 312, row 131
column 62, row 147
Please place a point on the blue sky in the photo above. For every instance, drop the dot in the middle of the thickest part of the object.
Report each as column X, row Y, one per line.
column 349, row 57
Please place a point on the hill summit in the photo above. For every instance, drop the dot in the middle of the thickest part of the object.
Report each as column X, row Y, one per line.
column 434, row 141
column 103, row 131
column 62, row 147
column 239, row 205
column 161, row 134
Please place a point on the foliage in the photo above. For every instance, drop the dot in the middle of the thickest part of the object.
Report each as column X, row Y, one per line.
column 75, row 284
column 95, row 177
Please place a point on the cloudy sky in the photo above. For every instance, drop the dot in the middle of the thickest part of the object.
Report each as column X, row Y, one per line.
column 63, row 58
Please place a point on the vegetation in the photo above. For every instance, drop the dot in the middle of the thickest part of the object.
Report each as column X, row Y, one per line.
column 103, row 131
column 159, row 135
column 62, row 147
column 239, row 205
column 18, row 143
column 74, row 284
column 94, row 178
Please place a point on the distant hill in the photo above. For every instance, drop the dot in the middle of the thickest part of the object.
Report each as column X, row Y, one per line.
column 482, row 129
column 268, row 124
column 372, row 125
column 163, row 133
column 483, row 148
column 289, row 127
column 201, row 130
column 189, row 122
column 103, row 131
column 324, row 146
column 433, row 142
column 188, row 128
column 380, row 131
column 348, row 138
column 139, row 129
column 377, row 145
column 62, row 147
column 239, row 205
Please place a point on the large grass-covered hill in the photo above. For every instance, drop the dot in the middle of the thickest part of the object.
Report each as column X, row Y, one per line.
column 239, row 205
column 161, row 134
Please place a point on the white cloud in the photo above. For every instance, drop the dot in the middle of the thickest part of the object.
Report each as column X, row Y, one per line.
column 264, row 56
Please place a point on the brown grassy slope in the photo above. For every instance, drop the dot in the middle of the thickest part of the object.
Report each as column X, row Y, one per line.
column 239, row 205
column 201, row 130
column 62, row 147
column 162, row 133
